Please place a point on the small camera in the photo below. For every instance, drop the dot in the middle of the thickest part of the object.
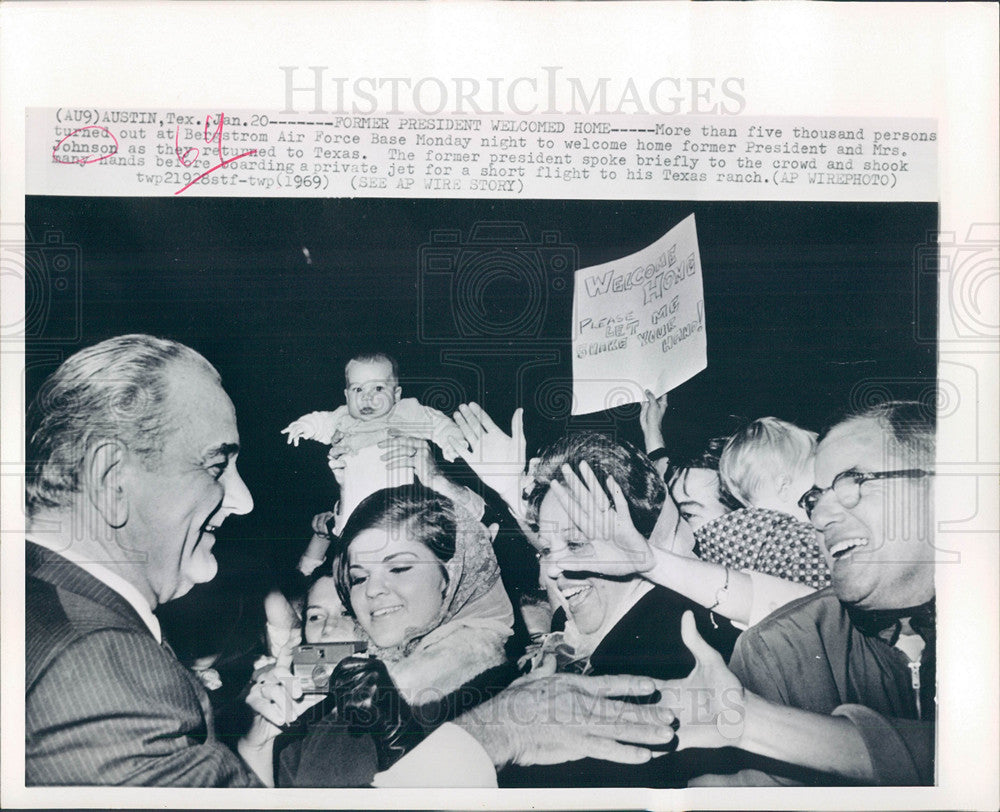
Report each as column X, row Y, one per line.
column 313, row 664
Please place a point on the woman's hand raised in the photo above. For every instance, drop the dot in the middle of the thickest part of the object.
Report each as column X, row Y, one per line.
column 619, row 549
column 497, row 458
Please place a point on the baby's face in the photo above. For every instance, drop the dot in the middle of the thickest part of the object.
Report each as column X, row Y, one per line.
column 371, row 391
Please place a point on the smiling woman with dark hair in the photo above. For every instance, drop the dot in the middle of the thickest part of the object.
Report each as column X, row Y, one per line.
column 420, row 579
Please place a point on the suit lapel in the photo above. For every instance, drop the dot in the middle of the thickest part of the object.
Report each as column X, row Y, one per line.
column 48, row 566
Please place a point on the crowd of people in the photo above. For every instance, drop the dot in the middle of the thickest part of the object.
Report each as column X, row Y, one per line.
column 759, row 613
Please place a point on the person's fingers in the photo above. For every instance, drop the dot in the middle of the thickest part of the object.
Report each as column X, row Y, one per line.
column 571, row 504
column 395, row 457
column 618, row 495
column 596, row 491
column 611, row 750
column 458, row 447
column 615, row 685
column 472, row 437
column 398, row 440
column 576, row 489
column 703, row 653
column 279, row 611
column 517, row 428
column 547, row 667
column 287, row 430
column 637, row 732
column 262, row 662
column 283, row 657
column 482, row 417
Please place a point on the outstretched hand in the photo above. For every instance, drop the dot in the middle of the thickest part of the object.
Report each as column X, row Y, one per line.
column 566, row 717
column 296, row 430
column 497, row 458
column 710, row 703
column 619, row 549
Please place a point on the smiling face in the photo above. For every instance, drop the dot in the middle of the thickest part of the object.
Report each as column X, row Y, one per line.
column 326, row 619
column 397, row 585
column 176, row 505
column 696, row 492
column 881, row 549
column 372, row 390
column 564, row 554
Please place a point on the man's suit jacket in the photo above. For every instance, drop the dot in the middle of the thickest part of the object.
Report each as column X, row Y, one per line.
column 104, row 702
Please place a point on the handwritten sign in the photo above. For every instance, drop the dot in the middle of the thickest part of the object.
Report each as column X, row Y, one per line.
column 639, row 323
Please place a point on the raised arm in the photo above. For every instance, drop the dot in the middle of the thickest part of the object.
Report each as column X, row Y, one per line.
column 724, row 590
column 318, row 426
column 651, row 420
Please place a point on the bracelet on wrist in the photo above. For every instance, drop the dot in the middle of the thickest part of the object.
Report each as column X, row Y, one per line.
column 718, row 599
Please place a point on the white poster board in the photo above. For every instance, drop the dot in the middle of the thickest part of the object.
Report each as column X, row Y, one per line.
column 639, row 323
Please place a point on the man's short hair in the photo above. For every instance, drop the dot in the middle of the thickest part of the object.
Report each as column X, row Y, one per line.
column 910, row 426
column 116, row 389
column 639, row 480
column 373, row 358
column 764, row 449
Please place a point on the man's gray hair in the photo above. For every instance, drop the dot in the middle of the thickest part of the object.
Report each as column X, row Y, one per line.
column 116, row 389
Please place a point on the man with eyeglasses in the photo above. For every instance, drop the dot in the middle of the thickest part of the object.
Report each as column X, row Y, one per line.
column 838, row 687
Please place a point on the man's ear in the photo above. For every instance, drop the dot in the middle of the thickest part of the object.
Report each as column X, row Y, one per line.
column 397, row 393
column 493, row 529
column 104, row 485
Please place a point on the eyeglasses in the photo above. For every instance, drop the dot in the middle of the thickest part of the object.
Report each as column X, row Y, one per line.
column 846, row 486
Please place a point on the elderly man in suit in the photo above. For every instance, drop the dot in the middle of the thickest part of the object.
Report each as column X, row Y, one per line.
column 132, row 470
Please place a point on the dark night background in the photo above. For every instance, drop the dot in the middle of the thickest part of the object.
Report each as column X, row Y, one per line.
column 810, row 308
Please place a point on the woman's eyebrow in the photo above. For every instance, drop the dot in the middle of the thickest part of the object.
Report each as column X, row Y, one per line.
column 407, row 553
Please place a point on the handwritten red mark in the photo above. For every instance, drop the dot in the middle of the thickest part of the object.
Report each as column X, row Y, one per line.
column 177, row 150
column 85, row 157
column 215, row 136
